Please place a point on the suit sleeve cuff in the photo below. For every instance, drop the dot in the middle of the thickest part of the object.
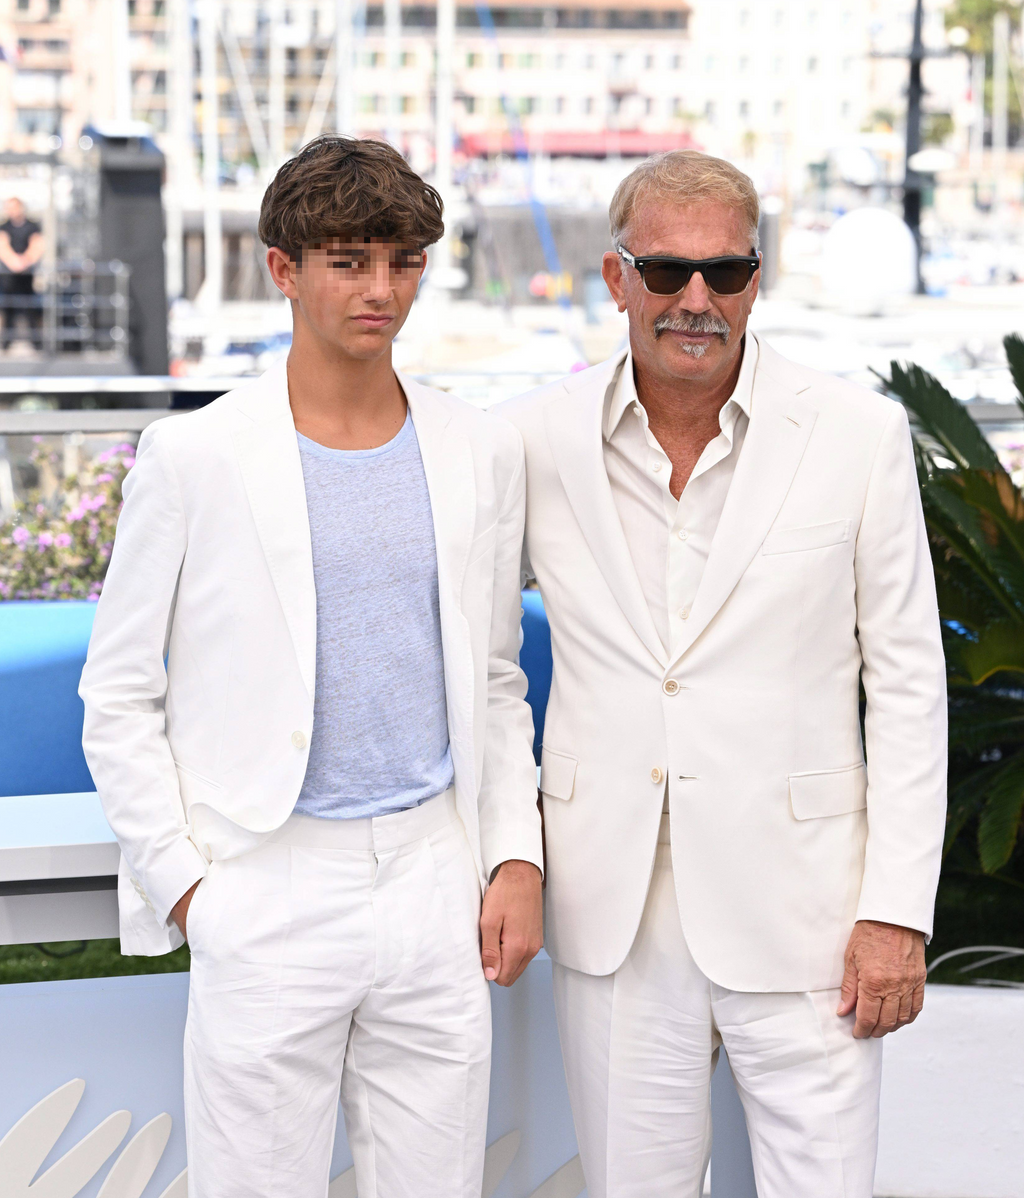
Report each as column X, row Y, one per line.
column 167, row 879
column 523, row 843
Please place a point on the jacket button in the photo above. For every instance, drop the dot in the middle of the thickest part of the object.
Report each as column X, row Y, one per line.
column 670, row 686
column 299, row 740
column 656, row 775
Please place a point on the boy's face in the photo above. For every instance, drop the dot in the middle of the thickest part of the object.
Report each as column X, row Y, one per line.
column 352, row 295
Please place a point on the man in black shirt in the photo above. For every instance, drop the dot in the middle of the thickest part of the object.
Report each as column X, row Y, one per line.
column 21, row 247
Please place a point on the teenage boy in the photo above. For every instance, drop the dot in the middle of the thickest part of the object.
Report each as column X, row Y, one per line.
column 335, row 760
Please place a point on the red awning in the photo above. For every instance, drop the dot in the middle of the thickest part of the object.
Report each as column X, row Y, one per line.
column 630, row 143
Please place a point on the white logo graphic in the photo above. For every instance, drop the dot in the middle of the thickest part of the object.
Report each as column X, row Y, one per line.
column 28, row 1143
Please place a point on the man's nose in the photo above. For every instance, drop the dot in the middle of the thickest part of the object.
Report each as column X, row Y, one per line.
column 695, row 296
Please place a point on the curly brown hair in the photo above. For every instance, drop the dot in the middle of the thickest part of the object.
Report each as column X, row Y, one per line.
column 348, row 187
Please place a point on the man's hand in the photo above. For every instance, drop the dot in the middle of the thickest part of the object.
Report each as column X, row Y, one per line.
column 179, row 912
column 884, row 978
column 511, row 922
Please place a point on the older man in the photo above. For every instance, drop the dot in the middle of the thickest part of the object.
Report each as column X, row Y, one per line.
column 729, row 545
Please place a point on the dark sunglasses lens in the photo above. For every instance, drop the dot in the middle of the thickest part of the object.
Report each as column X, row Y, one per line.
column 727, row 278
column 663, row 278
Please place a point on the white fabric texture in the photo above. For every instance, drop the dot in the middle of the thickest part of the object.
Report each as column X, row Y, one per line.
column 212, row 570
column 640, row 1046
column 339, row 954
column 670, row 539
column 818, row 578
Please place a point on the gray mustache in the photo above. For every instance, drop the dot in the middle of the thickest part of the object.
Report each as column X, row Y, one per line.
column 692, row 322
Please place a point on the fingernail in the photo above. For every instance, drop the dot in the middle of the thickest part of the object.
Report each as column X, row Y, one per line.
column 490, row 974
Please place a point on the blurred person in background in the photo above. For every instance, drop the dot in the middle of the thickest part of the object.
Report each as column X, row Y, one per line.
column 728, row 545
column 337, row 760
column 21, row 248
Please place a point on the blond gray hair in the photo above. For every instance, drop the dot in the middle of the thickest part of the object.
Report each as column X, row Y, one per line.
column 683, row 176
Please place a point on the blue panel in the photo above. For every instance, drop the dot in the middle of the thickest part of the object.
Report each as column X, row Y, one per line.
column 42, row 651
column 535, row 658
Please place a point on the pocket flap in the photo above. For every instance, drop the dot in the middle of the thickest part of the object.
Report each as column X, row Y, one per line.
column 557, row 773
column 829, row 792
column 813, row 536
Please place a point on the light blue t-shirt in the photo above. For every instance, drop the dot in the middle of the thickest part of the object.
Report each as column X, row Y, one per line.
column 380, row 724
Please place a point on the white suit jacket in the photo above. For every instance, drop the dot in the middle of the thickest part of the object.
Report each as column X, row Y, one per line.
column 819, row 578
column 212, row 569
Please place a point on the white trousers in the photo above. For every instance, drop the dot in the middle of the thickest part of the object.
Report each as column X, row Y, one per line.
column 339, row 955
column 640, row 1046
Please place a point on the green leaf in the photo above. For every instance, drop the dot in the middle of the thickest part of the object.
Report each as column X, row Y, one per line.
column 1000, row 820
column 942, row 417
column 999, row 646
column 1014, row 346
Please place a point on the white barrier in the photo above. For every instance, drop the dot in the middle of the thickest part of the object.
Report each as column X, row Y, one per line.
column 105, row 1053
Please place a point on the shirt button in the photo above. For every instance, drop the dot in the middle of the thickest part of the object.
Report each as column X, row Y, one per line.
column 684, row 614
column 656, row 467
column 299, row 740
column 656, row 775
column 670, row 686
column 682, row 534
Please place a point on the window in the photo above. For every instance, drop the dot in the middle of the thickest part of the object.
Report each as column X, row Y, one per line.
column 649, row 62
column 160, row 83
column 709, row 110
column 408, row 104
column 677, row 61
column 744, row 108
column 54, row 8
column 158, row 8
column 474, row 60
column 559, row 62
column 407, row 58
column 588, row 62
column 778, row 108
column 648, row 106
column 812, row 65
column 777, row 64
column 744, row 64
column 23, row 5
column 744, row 16
column 560, row 105
column 588, row 105
column 506, row 61
column 844, row 109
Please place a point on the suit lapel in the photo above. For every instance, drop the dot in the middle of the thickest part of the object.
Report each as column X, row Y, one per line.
column 268, row 457
column 780, row 427
column 451, row 482
column 575, row 435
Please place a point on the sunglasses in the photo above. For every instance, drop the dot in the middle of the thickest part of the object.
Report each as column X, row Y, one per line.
column 669, row 276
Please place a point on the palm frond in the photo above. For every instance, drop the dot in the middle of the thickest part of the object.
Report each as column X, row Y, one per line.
column 1014, row 346
column 1000, row 819
column 942, row 417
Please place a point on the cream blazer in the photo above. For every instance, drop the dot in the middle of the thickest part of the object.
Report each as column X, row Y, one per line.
column 212, row 570
column 819, row 580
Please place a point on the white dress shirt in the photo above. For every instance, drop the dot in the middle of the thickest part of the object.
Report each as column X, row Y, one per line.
column 669, row 539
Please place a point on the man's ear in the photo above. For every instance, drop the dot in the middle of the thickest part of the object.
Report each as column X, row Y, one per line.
column 611, row 272
column 283, row 268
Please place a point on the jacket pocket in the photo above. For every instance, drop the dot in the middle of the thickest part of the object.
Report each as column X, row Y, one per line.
column 812, row 536
column 557, row 773
column 829, row 792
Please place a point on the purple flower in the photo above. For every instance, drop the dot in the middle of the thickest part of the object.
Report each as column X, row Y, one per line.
column 62, row 540
column 21, row 535
column 44, row 540
column 104, row 478
column 40, row 509
column 76, row 513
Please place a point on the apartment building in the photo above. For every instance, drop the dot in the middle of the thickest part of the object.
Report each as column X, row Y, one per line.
column 774, row 84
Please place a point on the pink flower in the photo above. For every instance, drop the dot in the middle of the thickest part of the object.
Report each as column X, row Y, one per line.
column 40, row 509
column 76, row 513
column 62, row 540
column 104, row 478
column 21, row 535
column 44, row 540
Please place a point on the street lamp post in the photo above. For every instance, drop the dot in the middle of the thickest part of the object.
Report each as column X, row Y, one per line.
column 912, row 182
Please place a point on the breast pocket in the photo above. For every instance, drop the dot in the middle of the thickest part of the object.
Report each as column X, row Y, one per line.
column 811, row 536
